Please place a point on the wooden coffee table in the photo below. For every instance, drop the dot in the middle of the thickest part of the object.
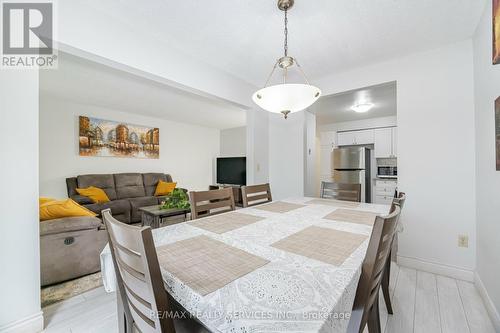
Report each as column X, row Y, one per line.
column 153, row 216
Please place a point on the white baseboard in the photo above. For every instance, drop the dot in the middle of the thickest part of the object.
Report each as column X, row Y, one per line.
column 440, row 269
column 490, row 306
column 31, row 324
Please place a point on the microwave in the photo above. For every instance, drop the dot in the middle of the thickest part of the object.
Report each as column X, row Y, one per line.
column 387, row 172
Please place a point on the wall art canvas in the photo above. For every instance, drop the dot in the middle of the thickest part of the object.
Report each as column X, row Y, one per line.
column 496, row 32
column 497, row 131
column 100, row 137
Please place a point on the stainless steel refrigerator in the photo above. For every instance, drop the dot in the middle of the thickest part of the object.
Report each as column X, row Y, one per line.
column 352, row 166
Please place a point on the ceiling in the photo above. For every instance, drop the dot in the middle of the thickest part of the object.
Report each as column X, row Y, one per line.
column 245, row 37
column 83, row 81
column 337, row 108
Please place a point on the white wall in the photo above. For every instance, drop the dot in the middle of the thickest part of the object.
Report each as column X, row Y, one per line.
column 310, row 151
column 487, row 89
column 286, row 155
column 233, row 141
column 19, row 232
column 257, row 130
column 187, row 152
column 435, row 149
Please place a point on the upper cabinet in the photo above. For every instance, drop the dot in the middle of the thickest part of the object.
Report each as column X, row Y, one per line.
column 364, row 137
column 395, row 141
column 328, row 138
column 385, row 142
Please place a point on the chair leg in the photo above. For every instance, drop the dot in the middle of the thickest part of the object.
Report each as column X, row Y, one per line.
column 374, row 318
column 385, row 285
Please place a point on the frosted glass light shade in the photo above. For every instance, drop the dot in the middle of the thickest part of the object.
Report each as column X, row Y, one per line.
column 291, row 97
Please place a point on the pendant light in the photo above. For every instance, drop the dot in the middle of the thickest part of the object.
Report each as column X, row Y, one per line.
column 286, row 97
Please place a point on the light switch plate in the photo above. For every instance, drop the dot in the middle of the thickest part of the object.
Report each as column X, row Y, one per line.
column 463, row 241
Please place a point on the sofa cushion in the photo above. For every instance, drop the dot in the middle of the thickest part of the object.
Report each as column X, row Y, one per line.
column 66, row 224
column 97, row 195
column 104, row 181
column 118, row 207
column 151, row 181
column 62, row 208
column 80, row 199
column 137, row 203
column 129, row 185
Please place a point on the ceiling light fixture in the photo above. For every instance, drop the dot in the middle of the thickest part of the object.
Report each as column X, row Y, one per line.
column 286, row 97
column 362, row 108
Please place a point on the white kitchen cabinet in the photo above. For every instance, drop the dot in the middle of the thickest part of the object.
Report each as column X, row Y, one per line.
column 384, row 200
column 328, row 138
column 384, row 191
column 352, row 138
column 385, row 142
column 395, row 141
column 364, row 137
column 346, row 139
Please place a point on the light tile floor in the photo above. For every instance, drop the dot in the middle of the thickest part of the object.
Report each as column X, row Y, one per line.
column 422, row 302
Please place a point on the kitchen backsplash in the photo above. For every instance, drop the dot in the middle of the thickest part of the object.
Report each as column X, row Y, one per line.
column 387, row 162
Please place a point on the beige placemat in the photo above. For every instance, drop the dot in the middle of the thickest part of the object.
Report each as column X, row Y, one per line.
column 333, row 202
column 225, row 222
column 279, row 207
column 205, row 264
column 323, row 244
column 352, row 216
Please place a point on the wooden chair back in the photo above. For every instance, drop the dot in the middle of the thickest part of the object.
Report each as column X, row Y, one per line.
column 399, row 200
column 339, row 191
column 206, row 203
column 138, row 274
column 256, row 194
column 365, row 308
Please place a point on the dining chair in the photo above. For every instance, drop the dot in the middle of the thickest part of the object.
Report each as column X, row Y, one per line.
column 256, row 194
column 206, row 203
column 398, row 201
column 366, row 302
column 143, row 303
column 340, row 191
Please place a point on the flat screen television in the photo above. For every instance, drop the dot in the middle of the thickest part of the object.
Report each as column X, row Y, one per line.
column 232, row 170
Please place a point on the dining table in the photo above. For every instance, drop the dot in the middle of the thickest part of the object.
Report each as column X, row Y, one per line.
column 293, row 265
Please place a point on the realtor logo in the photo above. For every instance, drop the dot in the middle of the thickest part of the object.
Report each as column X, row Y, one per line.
column 27, row 35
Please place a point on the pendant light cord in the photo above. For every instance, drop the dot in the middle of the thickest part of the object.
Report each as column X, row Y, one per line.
column 286, row 32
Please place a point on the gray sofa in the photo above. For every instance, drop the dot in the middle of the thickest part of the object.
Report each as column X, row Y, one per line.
column 127, row 192
column 70, row 248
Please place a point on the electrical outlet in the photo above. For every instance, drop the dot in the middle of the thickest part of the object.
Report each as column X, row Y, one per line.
column 463, row 241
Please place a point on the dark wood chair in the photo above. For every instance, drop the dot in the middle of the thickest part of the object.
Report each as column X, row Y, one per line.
column 256, row 194
column 339, row 191
column 398, row 201
column 206, row 203
column 143, row 303
column 366, row 303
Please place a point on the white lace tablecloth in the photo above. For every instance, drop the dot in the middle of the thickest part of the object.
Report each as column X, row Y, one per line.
column 290, row 294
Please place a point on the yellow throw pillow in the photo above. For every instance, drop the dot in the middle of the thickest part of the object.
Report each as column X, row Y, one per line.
column 62, row 208
column 164, row 188
column 95, row 194
column 43, row 200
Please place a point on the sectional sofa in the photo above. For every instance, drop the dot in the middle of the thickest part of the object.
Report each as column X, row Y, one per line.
column 70, row 247
column 127, row 191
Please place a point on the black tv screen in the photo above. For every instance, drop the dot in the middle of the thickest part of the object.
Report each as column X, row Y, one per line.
column 232, row 170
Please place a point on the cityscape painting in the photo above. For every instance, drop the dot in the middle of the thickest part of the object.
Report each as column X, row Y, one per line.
column 99, row 137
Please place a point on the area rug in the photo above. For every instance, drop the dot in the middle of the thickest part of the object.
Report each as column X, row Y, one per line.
column 62, row 291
